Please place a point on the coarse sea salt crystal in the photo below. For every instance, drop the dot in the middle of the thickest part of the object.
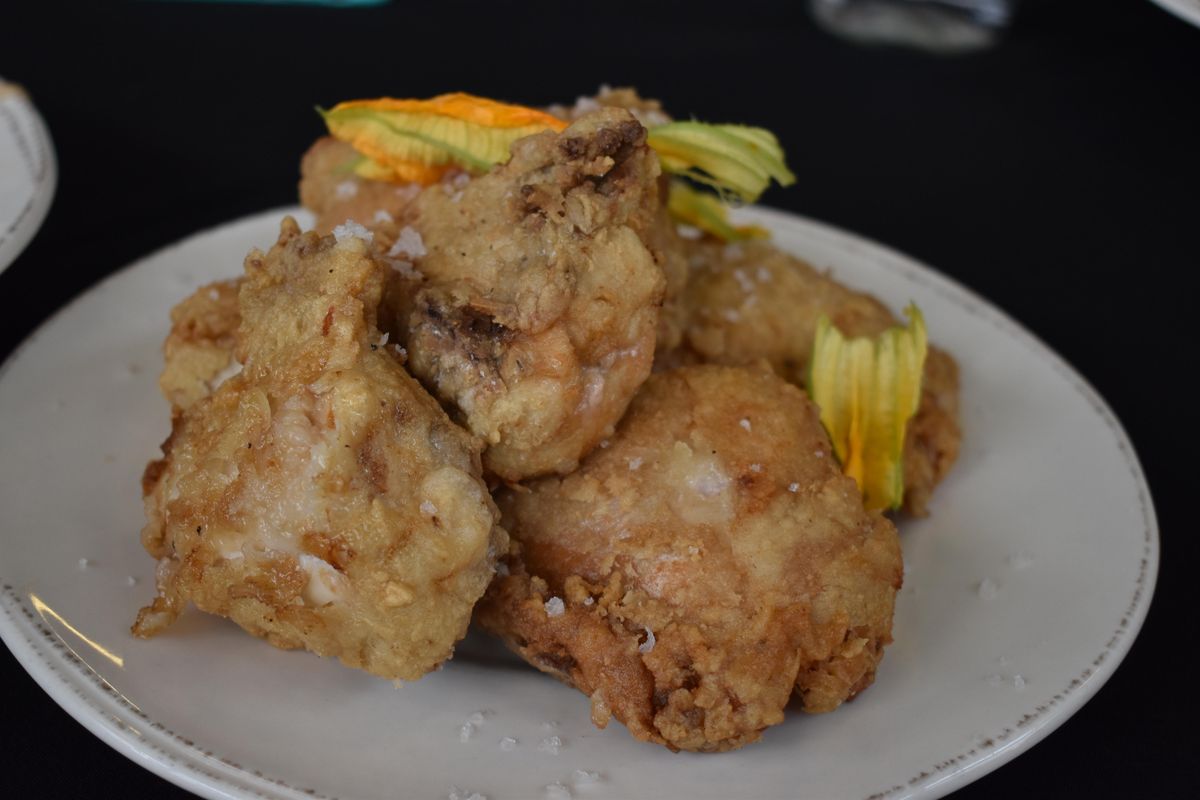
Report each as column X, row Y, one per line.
column 383, row 339
column 345, row 190
column 585, row 776
column 743, row 280
column 555, row 607
column 428, row 508
column 745, row 423
column 551, row 745
column 635, row 463
column 988, row 589
column 84, row 563
column 463, row 794
column 587, row 601
column 352, row 230
column 508, row 744
column 408, row 243
column 478, row 717
column 465, row 732
column 756, row 467
column 382, row 216
column 648, row 645
column 557, row 791
column 1018, row 681
column 793, row 487
column 131, row 581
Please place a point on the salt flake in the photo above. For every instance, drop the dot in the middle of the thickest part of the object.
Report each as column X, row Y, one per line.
column 555, row 607
column 352, row 230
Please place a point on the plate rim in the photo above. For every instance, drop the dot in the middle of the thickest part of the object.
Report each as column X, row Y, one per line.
column 29, row 221
column 179, row 761
column 1187, row 10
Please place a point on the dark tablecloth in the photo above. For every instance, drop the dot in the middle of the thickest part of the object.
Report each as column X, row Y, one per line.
column 1056, row 174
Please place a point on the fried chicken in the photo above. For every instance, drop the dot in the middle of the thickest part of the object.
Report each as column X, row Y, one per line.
column 660, row 236
column 751, row 301
column 536, row 319
column 198, row 352
column 321, row 498
column 333, row 193
column 706, row 563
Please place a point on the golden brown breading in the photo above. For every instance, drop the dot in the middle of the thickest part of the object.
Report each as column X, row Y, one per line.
column 199, row 349
column 708, row 561
column 321, row 498
column 538, row 312
column 330, row 189
column 660, row 236
column 751, row 301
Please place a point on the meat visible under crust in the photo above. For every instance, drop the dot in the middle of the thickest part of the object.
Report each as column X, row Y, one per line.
column 537, row 317
column 321, row 498
column 752, row 301
column 708, row 561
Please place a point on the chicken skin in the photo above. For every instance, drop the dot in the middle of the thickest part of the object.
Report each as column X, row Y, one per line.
column 537, row 313
column 705, row 564
column 321, row 498
column 751, row 301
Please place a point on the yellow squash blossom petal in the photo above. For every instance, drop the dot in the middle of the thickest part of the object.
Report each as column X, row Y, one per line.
column 706, row 212
column 868, row 388
column 421, row 140
column 734, row 159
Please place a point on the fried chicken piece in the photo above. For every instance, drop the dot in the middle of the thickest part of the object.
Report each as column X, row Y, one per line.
column 537, row 316
column 333, row 193
column 706, row 563
column 198, row 352
column 660, row 236
column 321, row 498
column 751, row 301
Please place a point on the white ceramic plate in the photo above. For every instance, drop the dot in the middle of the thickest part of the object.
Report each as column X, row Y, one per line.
column 1024, row 589
column 28, row 172
column 1184, row 9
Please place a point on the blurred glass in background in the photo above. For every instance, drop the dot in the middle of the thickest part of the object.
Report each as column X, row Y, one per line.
column 942, row 26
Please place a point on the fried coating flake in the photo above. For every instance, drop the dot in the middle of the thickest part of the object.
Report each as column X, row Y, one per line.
column 198, row 352
column 330, row 189
column 751, row 301
column 321, row 498
column 708, row 562
column 537, row 316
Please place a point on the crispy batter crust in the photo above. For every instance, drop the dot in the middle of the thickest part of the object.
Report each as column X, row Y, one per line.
column 537, row 317
column 321, row 498
column 710, row 560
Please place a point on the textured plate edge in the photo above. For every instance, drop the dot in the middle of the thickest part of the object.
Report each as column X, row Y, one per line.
column 189, row 768
column 14, row 240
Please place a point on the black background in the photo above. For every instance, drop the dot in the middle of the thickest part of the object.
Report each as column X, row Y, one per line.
column 1056, row 174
